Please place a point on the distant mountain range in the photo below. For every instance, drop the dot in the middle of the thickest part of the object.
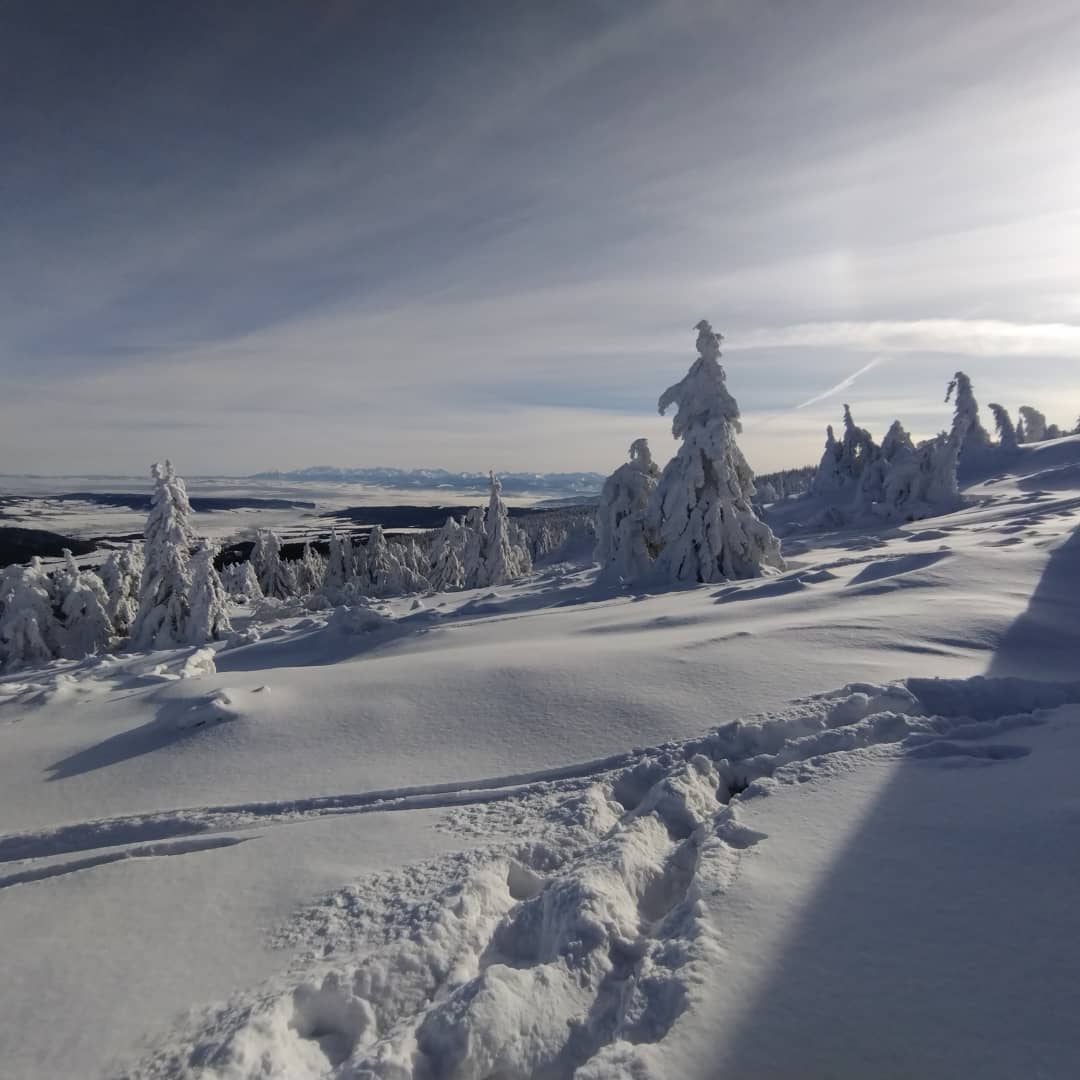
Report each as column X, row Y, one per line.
column 585, row 483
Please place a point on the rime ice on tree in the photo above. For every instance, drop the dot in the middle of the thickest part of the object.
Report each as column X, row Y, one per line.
column 164, row 595
column 274, row 576
column 209, row 619
column 504, row 557
column 622, row 547
column 700, row 511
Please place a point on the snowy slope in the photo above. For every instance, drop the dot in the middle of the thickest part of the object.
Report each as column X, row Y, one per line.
column 436, row 843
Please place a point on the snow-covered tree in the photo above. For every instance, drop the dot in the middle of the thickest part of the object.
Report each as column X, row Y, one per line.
column 829, row 480
column 896, row 442
column 622, row 546
column 309, row 571
column 700, row 511
column 976, row 440
column 850, row 469
column 1006, row 432
column 1034, row 424
column 415, row 565
column 29, row 634
column 503, row 557
column 383, row 573
column 240, row 579
column 121, row 573
column 473, row 557
column 274, row 577
column 82, row 605
column 448, row 552
column 209, row 618
column 922, row 482
column 164, row 593
column 335, row 574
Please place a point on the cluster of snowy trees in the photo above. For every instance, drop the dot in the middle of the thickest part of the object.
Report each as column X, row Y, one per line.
column 694, row 521
column 162, row 595
column 899, row 480
column 784, row 484
column 484, row 549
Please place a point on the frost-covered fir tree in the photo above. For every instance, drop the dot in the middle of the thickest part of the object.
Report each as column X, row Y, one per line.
column 383, row 573
column 829, row 479
column 850, row 469
column 1034, row 424
column 120, row 574
column 923, row 482
column 274, row 577
column 240, row 580
column 339, row 566
column 622, row 546
column 85, row 625
column 29, row 634
column 415, row 566
column 209, row 618
column 164, row 593
column 503, row 557
column 700, row 511
column 309, row 571
column 976, row 439
column 448, row 552
column 473, row 557
column 1006, row 432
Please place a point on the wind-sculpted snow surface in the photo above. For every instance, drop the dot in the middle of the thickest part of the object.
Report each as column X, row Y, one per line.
column 576, row 940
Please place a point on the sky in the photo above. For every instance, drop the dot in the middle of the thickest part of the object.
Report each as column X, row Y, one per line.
column 262, row 235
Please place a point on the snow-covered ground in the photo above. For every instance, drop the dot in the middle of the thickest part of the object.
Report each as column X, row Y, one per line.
column 819, row 824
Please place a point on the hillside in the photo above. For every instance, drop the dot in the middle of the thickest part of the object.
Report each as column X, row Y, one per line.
column 559, row 829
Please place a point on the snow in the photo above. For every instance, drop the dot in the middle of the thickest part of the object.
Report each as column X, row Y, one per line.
column 820, row 823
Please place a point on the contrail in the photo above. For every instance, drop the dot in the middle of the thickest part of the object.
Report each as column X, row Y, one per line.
column 843, row 384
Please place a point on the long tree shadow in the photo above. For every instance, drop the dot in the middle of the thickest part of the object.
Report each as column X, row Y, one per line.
column 943, row 938
column 175, row 719
column 1044, row 643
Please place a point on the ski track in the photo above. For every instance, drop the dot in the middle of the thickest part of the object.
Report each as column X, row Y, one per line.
column 160, row 825
column 572, row 953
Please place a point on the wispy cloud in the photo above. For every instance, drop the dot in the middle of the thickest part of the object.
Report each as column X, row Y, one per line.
column 957, row 337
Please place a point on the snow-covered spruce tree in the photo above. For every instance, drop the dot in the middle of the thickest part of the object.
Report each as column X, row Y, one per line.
column 121, row 573
column 1034, row 424
column 1006, row 432
column 240, row 580
column 700, row 511
column 29, row 634
column 622, row 546
column 309, row 571
column 976, row 441
column 415, row 564
column 85, row 625
column 828, row 481
column 335, row 576
column 383, row 573
column 164, row 593
column 858, row 450
column 503, row 557
column 209, row 618
column 447, row 563
column 473, row 557
column 923, row 482
column 274, row 577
